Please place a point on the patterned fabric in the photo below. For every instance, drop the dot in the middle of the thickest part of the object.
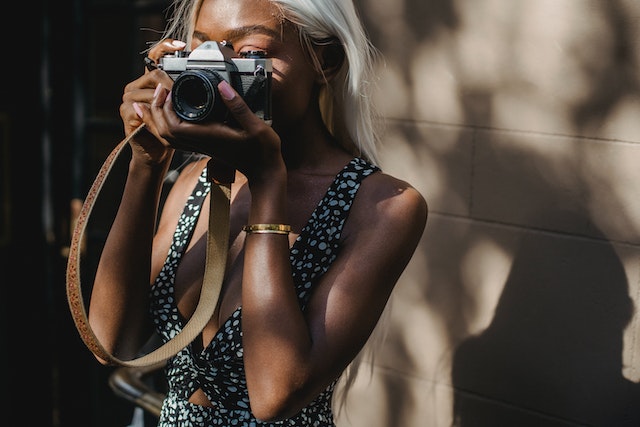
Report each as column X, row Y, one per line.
column 218, row 369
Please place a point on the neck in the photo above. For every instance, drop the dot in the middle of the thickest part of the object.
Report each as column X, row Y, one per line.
column 308, row 145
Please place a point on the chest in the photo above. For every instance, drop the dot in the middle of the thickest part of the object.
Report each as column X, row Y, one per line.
column 303, row 199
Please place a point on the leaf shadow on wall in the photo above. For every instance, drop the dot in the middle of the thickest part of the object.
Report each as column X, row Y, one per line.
column 552, row 356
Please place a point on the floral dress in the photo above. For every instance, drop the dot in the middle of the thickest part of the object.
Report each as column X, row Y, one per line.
column 218, row 369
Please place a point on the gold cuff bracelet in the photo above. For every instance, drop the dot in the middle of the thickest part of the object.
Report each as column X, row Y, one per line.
column 267, row 228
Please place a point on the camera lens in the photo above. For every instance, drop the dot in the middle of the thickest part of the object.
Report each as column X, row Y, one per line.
column 194, row 95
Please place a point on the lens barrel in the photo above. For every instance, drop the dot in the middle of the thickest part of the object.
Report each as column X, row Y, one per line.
column 195, row 96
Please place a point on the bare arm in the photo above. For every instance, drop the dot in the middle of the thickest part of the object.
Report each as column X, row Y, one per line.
column 290, row 357
column 118, row 310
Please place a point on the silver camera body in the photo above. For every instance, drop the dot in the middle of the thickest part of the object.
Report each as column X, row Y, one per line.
column 196, row 75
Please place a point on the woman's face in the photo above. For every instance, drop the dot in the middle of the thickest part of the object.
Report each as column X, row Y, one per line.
column 258, row 25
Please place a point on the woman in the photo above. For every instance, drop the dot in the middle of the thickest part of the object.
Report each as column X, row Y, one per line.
column 309, row 276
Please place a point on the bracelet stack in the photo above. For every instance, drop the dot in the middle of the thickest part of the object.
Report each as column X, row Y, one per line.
column 267, row 229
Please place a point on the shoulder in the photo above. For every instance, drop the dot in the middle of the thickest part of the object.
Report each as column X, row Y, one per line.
column 385, row 225
column 386, row 199
column 386, row 209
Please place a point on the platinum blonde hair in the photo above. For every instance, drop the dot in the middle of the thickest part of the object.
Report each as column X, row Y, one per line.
column 345, row 102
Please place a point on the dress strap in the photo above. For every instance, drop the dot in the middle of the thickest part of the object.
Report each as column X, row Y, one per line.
column 164, row 283
column 317, row 246
column 186, row 225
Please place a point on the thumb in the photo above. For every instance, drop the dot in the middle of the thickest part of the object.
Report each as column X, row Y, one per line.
column 239, row 109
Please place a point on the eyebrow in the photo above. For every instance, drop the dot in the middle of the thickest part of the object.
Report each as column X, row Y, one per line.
column 237, row 33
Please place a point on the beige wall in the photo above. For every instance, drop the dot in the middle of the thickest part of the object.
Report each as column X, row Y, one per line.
column 519, row 120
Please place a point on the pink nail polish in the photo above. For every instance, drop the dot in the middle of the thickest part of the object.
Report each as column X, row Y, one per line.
column 226, row 91
column 138, row 110
column 157, row 91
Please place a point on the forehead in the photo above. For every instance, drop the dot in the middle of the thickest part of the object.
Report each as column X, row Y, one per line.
column 218, row 17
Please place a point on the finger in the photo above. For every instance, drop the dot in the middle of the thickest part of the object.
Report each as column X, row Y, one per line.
column 144, row 110
column 239, row 109
column 138, row 108
column 142, row 89
column 159, row 96
column 165, row 47
column 159, row 114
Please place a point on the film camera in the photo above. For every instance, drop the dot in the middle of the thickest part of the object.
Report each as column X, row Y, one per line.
column 196, row 75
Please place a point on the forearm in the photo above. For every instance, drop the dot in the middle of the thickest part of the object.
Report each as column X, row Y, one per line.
column 119, row 299
column 276, row 336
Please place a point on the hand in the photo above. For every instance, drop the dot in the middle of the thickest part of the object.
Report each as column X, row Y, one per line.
column 140, row 92
column 252, row 147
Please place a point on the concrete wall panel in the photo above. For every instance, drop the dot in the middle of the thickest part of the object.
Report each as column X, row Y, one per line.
column 518, row 121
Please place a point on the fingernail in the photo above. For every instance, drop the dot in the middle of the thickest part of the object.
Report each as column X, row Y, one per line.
column 226, row 91
column 138, row 110
column 157, row 91
column 178, row 43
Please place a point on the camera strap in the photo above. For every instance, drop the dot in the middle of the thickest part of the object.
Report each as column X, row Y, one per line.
column 216, row 256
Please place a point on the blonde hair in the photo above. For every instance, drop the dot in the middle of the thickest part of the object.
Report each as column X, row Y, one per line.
column 345, row 102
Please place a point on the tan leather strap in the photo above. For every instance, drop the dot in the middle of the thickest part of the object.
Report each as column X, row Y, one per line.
column 216, row 257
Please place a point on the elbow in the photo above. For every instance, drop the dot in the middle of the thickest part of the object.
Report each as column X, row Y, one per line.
column 276, row 404
column 270, row 409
